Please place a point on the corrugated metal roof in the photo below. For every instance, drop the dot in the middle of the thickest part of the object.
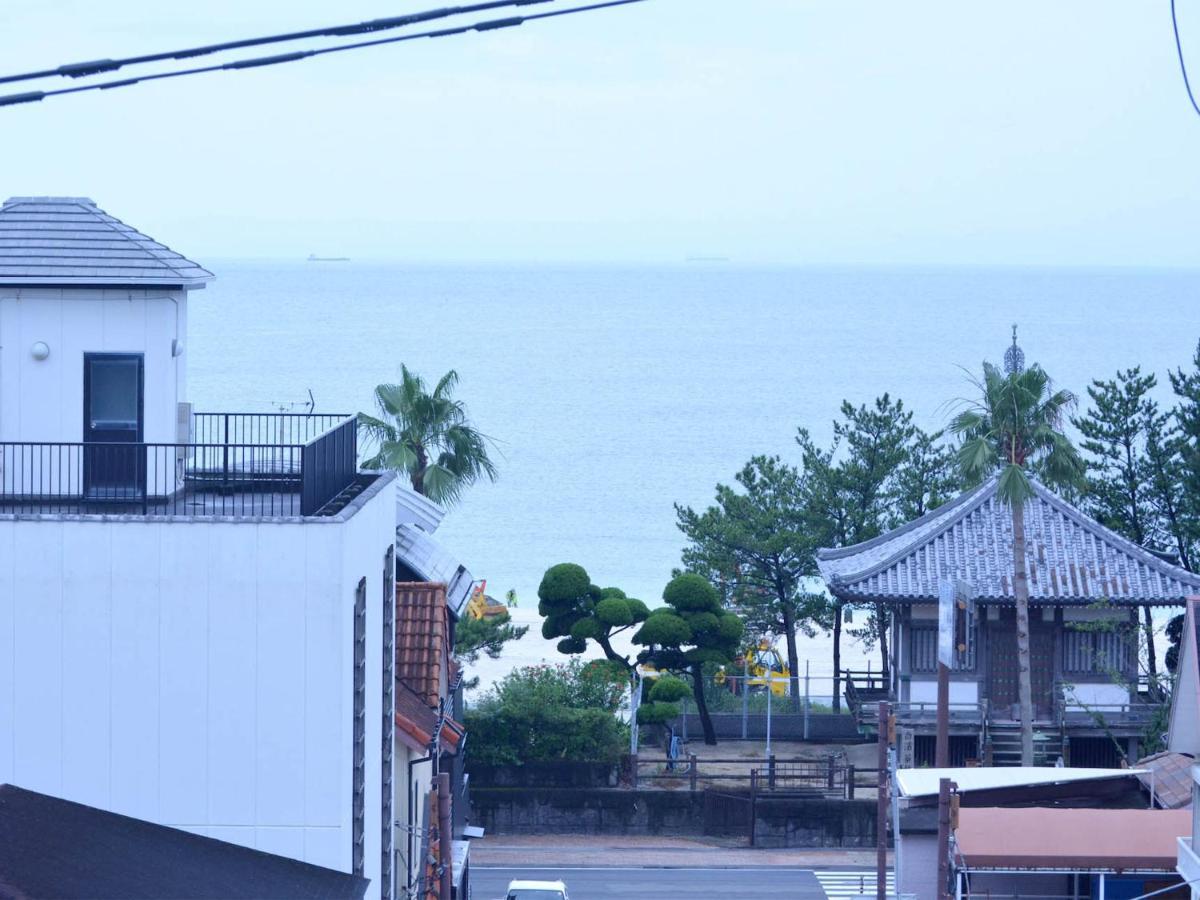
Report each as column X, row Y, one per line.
column 430, row 561
column 71, row 241
column 1070, row 558
column 926, row 782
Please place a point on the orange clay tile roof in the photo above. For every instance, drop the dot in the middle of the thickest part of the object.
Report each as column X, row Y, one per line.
column 1041, row 838
column 415, row 723
column 422, row 639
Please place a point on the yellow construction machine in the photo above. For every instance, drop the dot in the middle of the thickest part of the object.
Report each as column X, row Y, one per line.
column 762, row 664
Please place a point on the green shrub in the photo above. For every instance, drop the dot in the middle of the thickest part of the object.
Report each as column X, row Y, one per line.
column 535, row 713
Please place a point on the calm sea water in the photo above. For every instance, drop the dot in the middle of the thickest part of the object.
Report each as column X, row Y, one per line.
column 614, row 393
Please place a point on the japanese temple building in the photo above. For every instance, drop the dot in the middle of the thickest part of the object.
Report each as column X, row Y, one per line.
column 1087, row 585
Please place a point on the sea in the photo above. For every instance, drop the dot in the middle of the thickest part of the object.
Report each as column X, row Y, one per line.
column 615, row 393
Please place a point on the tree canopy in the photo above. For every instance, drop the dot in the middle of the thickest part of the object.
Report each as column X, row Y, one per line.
column 578, row 611
column 427, row 435
column 692, row 631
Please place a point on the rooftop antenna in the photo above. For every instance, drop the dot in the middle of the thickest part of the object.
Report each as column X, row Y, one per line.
column 1014, row 357
column 307, row 406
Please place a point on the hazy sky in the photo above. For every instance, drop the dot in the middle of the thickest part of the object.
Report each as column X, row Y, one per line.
column 808, row 131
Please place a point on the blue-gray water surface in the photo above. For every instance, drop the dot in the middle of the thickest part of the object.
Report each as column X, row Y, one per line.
column 614, row 393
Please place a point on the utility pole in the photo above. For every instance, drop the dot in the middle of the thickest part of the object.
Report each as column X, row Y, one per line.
column 881, row 813
column 945, row 786
column 635, row 698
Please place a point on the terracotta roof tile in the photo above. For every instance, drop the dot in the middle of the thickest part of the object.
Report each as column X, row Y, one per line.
column 422, row 639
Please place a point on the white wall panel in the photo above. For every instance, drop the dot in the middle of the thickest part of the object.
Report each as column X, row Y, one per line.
column 233, row 668
column 327, row 686
column 214, row 658
column 135, row 669
column 284, row 841
column 8, row 606
column 39, row 698
column 280, row 650
column 185, row 569
column 87, row 654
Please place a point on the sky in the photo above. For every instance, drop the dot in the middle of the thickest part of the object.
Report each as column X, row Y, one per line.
column 814, row 132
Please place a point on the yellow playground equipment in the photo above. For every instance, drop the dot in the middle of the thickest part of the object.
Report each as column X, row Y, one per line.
column 481, row 606
column 763, row 665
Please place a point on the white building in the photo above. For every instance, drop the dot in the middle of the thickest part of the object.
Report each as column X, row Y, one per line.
column 196, row 609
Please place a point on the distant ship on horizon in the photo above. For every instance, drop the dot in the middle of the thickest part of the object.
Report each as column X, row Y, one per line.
column 312, row 257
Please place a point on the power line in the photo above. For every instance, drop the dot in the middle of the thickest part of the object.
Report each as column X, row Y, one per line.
column 99, row 66
column 255, row 62
column 1182, row 62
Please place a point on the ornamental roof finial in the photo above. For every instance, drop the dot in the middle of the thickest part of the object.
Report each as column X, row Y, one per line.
column 1014, row 357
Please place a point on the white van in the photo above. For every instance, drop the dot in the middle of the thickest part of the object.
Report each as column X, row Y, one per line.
column 536, row 890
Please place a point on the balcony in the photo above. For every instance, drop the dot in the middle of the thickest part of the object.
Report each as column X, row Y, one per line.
column 237, row 464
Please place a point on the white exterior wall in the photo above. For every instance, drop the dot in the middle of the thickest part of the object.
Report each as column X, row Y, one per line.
column 43, row 400
column 1096, row 695
column 197, row 674
column 924, row 690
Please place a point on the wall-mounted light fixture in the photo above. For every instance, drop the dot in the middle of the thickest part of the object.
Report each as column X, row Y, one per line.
column 40, row 350
column 176, row 347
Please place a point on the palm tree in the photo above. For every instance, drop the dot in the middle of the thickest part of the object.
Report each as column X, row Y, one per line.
column 1015, row 428
column 427, row 436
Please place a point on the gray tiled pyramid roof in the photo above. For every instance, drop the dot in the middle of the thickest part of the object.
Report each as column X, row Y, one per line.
column 1069, row 557
column 71, row 241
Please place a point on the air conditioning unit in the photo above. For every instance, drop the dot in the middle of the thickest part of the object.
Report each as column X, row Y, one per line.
column 183, row 435
column 183, row 423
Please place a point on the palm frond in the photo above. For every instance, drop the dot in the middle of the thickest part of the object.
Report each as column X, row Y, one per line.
column 1014, row 486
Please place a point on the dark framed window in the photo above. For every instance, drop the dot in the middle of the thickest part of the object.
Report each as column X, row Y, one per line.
column 359, row 758
column 1094, row 652
column 389, row 725
column 923, row 647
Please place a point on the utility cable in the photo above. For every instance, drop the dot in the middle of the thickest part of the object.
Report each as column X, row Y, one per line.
column 1182, row 62
column 255, row 62
column 98, row 66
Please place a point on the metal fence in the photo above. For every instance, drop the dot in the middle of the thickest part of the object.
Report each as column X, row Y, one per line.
column 832, row 777
column 209, row 477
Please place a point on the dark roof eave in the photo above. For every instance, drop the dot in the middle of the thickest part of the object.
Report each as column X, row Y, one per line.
column 848, row 596
column 177, row 284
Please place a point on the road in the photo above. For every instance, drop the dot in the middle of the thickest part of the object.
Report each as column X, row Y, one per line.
column 632, row 883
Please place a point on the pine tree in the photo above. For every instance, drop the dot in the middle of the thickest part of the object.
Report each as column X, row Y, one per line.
column 1187, row 414
column 1119, row 491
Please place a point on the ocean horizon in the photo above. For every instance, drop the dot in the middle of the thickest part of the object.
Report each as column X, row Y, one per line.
column 614, row 392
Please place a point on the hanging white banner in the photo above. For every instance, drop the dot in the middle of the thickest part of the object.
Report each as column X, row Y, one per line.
column 946, row 598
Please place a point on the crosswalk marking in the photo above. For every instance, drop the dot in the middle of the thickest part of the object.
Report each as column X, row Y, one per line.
column 840, row 884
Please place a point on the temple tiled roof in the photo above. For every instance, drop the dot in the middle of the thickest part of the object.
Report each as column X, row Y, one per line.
column 1070, row 558
column 71, row 241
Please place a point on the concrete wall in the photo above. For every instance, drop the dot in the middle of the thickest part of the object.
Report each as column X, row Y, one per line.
column 918, row 865
column 599, row 811
column 197, row 673
column 556, row 773
column 43, row 400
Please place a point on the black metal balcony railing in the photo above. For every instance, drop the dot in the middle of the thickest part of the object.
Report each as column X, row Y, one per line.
column 241, row 464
